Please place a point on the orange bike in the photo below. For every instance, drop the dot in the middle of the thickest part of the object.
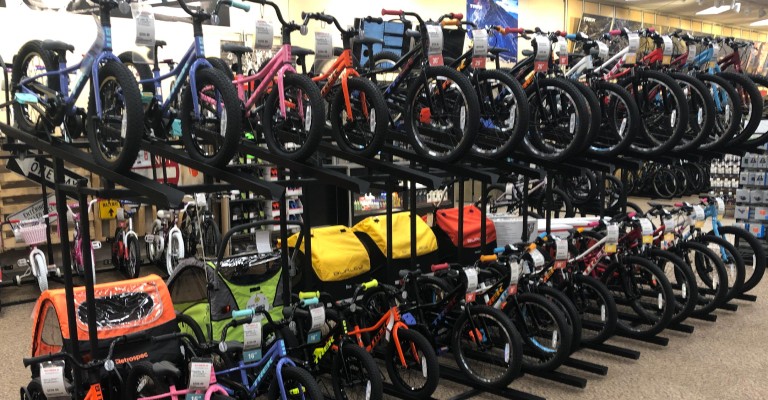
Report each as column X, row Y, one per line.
column 410, row 359
column 359, row 114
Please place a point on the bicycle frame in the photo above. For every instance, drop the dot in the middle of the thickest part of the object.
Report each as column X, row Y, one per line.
column 393, row 323
column 276, row 355
column 192, row 60
column 276, row 68
column 127, row 232
column 342, row 68
column 177, row 394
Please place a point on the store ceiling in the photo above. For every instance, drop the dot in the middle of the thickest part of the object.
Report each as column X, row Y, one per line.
column 751, row 10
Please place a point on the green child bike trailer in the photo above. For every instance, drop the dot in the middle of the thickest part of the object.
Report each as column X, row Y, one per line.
column 446, row 228
column 373, row 232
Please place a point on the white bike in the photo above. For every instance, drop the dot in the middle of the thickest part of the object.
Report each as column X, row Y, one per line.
column 32, row 232
column 166, row 239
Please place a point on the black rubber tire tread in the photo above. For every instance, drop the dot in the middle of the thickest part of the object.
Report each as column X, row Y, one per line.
column 144, row 71
column 137, row 371
column 472, row 113
column 377, row 102
column 735, row 286
column 523, row 112
column 683, row 272
column 381, row 56
column 317, row 124
column 595, row 117
column 709, row 105
column 558, row 196
column 611, row 313
column 133, row 243
column 563, row 351
column 312, row 389
column 722, row 289
column 735, row 126
column 758, row 251
column 210, row 226
column 134, row 110
column 760, row 81
column 569, row 310
column 117, row 260
column 581, row 107
column 367, row 363
column 197, row 332
column 756, row 100
column 221, row 65
column 51, row 64
column 233, row 111
column 633, row 114
column 433, row 367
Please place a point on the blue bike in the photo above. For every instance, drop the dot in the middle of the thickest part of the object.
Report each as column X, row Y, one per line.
column 43, row 99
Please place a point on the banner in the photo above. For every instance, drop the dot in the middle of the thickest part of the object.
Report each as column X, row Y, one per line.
column 486, row 13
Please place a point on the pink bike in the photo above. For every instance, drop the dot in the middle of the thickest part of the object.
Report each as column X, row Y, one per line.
column 76, row 244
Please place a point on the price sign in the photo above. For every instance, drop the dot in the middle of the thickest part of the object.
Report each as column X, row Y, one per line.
column 252, row 335
column 471, row 274
column 318, row 317
column 264, row 35
column 634, row 45
column 514, row 272
column 602, row 51
column 713, row 60
column 200, row 374
column 669, row 224
column 561, row 253
column 537, row 257
column 52, row 380
column 698, row 216
column 543, row 51
column 612, row 237
column 647, row 226
column 479, row 48
column 323, row 46
column 145, row 28
column 562, row 50
column 692, row 53
column 435, row 49
column 720, row 206
column 668, row 48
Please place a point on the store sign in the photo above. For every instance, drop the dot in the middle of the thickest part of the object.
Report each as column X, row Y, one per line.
column 34, row 211
column 37, row 168
column 144, row 164
column 108, row 209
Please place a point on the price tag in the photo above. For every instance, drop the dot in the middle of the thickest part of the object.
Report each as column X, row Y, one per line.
column 713, row 60
column 263, row 244
column 479, row 48
column 612, row 236
column 435, row 50
column 471, row 274
column 323, row 46
column 543, row 51
column 692, row 53
column 514, row 272
column 200, row 374
column 698, row 216
column 252, row 335
column 669, row 224
column 634, row 45
column 602, row 51
column 264, row 36
column 720, row 206
column 562, row 50
column 537, row 257
column 52, row 379
column 149, row 238
column 561, row 253
column 668, row 48
column 647, row 226
column 318, row 317
column 145, row 28
column 194, row 396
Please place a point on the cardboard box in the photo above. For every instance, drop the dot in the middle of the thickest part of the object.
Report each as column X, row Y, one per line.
column 742, row 195
column 742, row 212
column 744, row 178
column 756, row 196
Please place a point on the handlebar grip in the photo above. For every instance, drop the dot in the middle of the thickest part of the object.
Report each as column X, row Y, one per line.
column 679, row 204
column 542, row 235
column 439, row 267
column 632, row 214
column 514, row 30
column 370, row 284
column 571, row 36
column 41, row 359
column 377, row 20
column 308, row 295
column 458, row 16
column 310, row 302
column 240, row 5
column 499, row 250
column 450, row 22
column 248, row 312
column 384, row 11
column 593, row 224
column 615, row 32
column 488, row 258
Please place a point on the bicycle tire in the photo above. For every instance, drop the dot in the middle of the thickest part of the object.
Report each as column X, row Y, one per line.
column 581, row 189
column 760, row 136
column 171, row 259
column 41, row 266
column 594, row 332
column 211, row 237
column 184, row 319
column 142, row 376
column 50, row 62
column 298, row 376
column 419, row 124
column 753, row 109
column 735, row 267
column 661, row 181
column 132, row 267
column 117, row 260
column 348, row 353
column 141, row 71
column 568, row 310
column 756, row 254
column 221, row 65
column 516, row 113
column 684, row 285
column 595, row 118
column 713, row 293
column 559, row 198
column 33, row 391
column 429, row 363
column 701, row 112
column 606, row 142
column 369, row 100
column 727, row 117
column 152, row 248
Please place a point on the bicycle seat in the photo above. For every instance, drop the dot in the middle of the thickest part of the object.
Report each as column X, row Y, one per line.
column 369, row 41
column 236, row 49
column 56, row 45
column 301, row 52
column 527, row 52
column 165, row 370
column 497, row 50
column 413, row 34
column 160, row 43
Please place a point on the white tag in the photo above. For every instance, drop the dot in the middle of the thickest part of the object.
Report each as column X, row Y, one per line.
column 323, row 46
column 252, row 335
column 52, row 380
column 543, row 51
column 264, row 36
column 514, row 272
column 692, row 53
column 669, row 224
column 149, row 238
column 562, row 50
column 613, row 233
column 538, row 258
column 634, row 45
column 145, row 28
column 435, row 50
column 200, row 375
column 263, row 242
column 698, row 213
column 479, row 48
column 318, row 317
column 715, row 52
column 720, row 206
column 647, row 226
column 471, row 274
column 602, row 52
column 561, row 249
column 668, row 48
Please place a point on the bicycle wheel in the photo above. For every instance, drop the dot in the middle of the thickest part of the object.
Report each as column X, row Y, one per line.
column 559, row 124
column 701, row 112
column 751, row 250
column 569, row 311
column 683, row 282
column 596, row 307
column 751, row 105
column 644, row 297
column 33, row 60
column 620, row 120
column 727, row 115
column 442, row 114
column 561, row 204
column 117, row 258
column 211, row 237
column 664, row 183
column 116, row 135
column 188, row 325
column 663, row 111
column 714, row 287
column 41, row 267
column 504, row 113
column 545, row 333
column 140, row 71
column 581, row 189
column 760, row 136
column 681, row 180
column 142, row 382
column 362, row 128
column 33, row 391
column 132, row 265
column 381, row 61
column 593, row 107
column 297, row 384
column 222, row 66
column 155, row 248
column 355, row 374
column 296, row 133
column 486, row 346
column 174, row 251
column 421, row 372
column 734, row 263
column 211, row 118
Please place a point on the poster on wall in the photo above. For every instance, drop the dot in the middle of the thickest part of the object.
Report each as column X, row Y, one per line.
column 593, row 26
column 164, row 10
column 496, row 12
column 618, row 44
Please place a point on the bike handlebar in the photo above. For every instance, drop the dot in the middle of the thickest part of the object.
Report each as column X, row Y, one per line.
column 616, row 32
column 236, row 4
column 440, row 267
column 277, row 12
column 397, row 13
column 377, row 20
column 328, row 19
column 91, row 364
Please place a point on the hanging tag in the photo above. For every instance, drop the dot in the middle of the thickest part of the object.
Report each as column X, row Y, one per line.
column 668, row 48
column 479, row 48
column 52, row 379
column 713, row 60
column 613, row 238
column 602, row 51
column 264, row 36
column 314, row 337
column 538, row 258
column 562, row 50
column 318, row 317
column 698, row 216
column 252, row 335
column 647, row 226
column 145, row 28
column 561, row 253
column 200, row 373
column 263, row 242
column 194, row 396
column 435, row 50
column 634, row 45
column 323, row 46
column 543, row 51
column 514, row 272
column 669, row 224
column 692, row 53
column 720, row 206
column 471, row 274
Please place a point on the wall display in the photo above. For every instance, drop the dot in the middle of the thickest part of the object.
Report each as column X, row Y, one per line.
column 85, row 7
column 496, row 12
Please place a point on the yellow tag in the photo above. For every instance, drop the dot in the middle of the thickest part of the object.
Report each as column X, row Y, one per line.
column 666, row 60
column 669, row 237
column 610, row 248
column 699, row 224
column 647, row 239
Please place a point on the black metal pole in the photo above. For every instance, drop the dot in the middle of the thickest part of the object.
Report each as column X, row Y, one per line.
column 85, row 247
column 483, row 212
column 549, row 206
column 524, row 209
column 307, row 230
column 390, row 273
column 461, row 218
column 601, row 187
column 286, row 278
column 46, row 210
column 412, row 195
column 66, row 263
column 624, row 194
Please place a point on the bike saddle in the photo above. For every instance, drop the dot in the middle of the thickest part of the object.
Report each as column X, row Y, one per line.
column 497, row 50
column 527, row 52
column 236, row 49
column 160, row 43
column 301, row 52
column 413, row 34
column 166, row 371
column 56, row 45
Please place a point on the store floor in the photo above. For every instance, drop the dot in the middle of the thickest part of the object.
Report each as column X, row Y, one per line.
column 722, row 360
